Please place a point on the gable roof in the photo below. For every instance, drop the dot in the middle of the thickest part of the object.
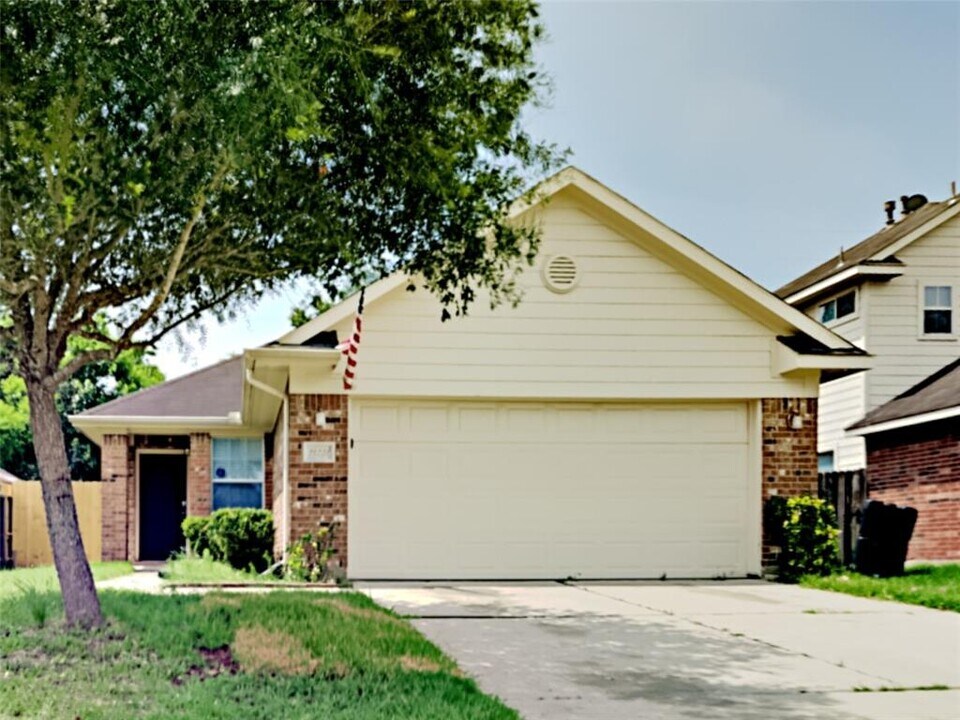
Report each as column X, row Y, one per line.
column 755, row 300
column 936, row 397
column 878, row 248
column 211, row 392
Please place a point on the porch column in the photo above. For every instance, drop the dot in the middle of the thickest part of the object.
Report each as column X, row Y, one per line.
column 199, row 490
column 117, row 497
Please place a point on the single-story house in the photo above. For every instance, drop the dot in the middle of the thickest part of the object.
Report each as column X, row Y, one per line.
column 626, row 420
column 913, row 458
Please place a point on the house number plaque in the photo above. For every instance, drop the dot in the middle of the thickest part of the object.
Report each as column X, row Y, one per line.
column 319, row 452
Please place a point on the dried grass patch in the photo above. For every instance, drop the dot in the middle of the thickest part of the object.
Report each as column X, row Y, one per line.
column 211, row 602
column 419, row 664
column 359, row 612
column 261, row 650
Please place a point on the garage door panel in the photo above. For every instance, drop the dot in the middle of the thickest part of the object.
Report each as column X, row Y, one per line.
column 534, row 490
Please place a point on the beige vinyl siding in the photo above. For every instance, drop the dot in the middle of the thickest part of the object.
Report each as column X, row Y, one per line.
column 903, row 357
column 634, row 327
column 841, row 404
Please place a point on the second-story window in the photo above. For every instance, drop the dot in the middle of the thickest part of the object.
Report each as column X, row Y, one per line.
column 937, row 310
column 839, row 307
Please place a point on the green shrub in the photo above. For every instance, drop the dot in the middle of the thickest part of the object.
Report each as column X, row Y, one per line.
column 308, row 559
column 196, row 531
column 805, row 528
column 240, row 537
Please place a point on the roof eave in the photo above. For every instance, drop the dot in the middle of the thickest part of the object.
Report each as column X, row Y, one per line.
column 96, row 426
column 897, row 423
column 850, row 275
column 787, row 361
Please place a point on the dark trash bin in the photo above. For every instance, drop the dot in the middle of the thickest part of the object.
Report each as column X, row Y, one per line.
column 885, row 532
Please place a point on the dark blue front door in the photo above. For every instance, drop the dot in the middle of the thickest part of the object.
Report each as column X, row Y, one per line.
column 163, row 504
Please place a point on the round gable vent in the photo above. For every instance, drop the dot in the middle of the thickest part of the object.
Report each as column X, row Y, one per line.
column 560, row 273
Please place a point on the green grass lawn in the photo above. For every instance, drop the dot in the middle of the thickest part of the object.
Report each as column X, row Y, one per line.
column 935, row 586
column 44, row 578
column 266, row 655
column 205, row 570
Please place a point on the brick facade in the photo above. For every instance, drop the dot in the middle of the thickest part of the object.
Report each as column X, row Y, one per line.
column 789, row 456
column 199, row 490
column 118, row 468
column 117, row 497
column 920, row 467
column 319, row 491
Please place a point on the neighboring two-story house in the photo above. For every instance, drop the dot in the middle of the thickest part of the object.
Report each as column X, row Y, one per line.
column 895, row 295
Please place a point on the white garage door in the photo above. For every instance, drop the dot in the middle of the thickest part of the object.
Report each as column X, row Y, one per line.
column 478, row 490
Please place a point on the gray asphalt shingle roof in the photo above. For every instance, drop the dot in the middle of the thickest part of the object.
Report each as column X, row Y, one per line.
column 214, row 391
column 936, row 392
column 865, row 249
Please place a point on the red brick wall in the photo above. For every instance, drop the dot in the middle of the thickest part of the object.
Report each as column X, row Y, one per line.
column 118, row 497
column 789, row 456
column 198, row 475
column 268, row 450
column 920, row 467
column 119, row 527
column 319, row 491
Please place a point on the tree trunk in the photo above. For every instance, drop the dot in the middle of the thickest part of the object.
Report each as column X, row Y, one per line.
column 80, row 602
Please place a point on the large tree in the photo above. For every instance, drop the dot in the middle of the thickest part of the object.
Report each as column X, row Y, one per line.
column 164, row 158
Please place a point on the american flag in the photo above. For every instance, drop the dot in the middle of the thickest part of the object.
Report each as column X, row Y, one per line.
column 351, row 346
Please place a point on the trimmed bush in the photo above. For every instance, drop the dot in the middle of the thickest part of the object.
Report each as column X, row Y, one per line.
column 240, row 537
column 196, row 531
column 806, row 530
column 308, row 559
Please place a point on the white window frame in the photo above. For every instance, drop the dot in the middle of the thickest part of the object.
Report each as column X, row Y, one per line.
column 833, row 460
column 833, row 299
column 263, row 469
column 953, row 308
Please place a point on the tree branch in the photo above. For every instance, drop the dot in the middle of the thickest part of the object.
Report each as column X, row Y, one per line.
column 16, row 289
column 65, row 372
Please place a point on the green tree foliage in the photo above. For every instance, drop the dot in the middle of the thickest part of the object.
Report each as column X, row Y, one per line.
column 92, row 385
column 163, row 159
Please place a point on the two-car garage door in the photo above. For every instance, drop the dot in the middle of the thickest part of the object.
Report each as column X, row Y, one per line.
column 535, row 490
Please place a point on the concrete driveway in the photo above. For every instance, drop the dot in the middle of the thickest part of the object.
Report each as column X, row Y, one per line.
column 691, row 650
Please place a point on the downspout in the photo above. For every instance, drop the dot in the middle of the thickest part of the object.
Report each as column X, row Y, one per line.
column 285, row 474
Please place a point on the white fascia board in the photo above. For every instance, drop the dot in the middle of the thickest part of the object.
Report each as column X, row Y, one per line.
column 785, row 361
column 910, row 421
column 341, row 311
column 887, row 270
column 94, row 422
column 709, row 262
column 95, row 427
column 274, row 355
column 953, row 207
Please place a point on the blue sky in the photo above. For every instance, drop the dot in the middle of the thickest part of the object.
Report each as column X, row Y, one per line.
column 770, row 133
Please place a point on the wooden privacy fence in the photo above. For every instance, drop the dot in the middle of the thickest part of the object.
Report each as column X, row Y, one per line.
column 846, row 491
column 31, row 543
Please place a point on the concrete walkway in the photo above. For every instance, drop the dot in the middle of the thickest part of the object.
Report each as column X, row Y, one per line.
column 697, row 650
column 145, row 580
